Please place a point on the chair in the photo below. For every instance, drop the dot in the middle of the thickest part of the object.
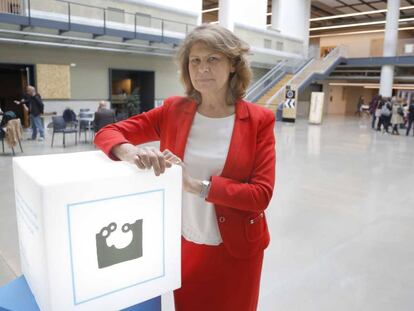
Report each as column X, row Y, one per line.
column 103, row 117
column 59, row 126
column 12, row 134
column 85, row 123
column 121, row 116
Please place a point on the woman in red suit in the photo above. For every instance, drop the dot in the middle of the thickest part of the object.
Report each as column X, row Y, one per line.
column 226, row 147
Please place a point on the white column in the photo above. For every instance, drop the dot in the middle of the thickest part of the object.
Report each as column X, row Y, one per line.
column 250, row 13
column 275, row 14
column 226, row 16
column 390, row 46
column 291, row 17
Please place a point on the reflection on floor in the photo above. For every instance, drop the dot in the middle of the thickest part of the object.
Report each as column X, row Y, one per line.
column 341, row 219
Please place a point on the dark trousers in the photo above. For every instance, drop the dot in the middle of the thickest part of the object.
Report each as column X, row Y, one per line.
column 395, row 129
column 374, row 118
column 385, row 121
column 410, row 123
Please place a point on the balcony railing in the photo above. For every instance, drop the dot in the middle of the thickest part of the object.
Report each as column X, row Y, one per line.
column 72, row 16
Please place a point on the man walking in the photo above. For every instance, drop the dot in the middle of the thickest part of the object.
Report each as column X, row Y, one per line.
column 33, row 102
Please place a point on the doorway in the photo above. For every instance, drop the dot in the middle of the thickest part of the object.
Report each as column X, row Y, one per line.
column 13, row 81
column 125, row 86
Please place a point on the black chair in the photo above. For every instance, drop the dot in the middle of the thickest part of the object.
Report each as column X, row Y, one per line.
column 103, row 117
column 85, row 123
column 59, row 126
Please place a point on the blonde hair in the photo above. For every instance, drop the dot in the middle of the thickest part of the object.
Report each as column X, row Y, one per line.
column 221, row 40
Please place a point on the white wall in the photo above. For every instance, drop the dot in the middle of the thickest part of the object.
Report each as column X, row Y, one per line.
column 189, row 5
column 90, row 77
column 359, row 45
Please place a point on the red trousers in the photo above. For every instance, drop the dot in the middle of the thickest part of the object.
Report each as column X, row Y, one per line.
column 213, row 280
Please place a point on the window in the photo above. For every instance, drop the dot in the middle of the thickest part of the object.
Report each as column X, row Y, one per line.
column 267, row 44
column 279, row 45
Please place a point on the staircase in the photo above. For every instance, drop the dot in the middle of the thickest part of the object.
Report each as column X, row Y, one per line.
column 263, row 100
column 315, row 69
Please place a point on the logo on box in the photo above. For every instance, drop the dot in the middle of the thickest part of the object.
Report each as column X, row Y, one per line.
column 108, row 256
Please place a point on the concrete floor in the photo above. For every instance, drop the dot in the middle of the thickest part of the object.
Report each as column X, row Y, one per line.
column 341, row 219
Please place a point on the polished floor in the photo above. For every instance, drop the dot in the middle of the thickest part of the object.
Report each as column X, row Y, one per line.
column 341, row 219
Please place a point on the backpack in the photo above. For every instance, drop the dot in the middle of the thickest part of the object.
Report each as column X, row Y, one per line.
column 69, row 115
column 385, row 111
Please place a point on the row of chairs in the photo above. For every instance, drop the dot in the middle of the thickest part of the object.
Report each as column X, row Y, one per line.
column 87, row 122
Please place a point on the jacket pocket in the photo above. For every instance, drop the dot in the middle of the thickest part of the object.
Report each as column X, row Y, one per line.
column 255, row 227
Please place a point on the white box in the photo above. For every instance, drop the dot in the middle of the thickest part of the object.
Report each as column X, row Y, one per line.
column 316, row 107
column 67, row 205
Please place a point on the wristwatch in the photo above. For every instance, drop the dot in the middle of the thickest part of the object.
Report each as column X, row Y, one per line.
column 205, row 188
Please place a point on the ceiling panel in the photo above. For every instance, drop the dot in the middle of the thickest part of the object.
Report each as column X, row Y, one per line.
column 351, row 1
column 362, row 7
column 346, row 10
column 331, row 3
column 379, row 5
column 405, row 3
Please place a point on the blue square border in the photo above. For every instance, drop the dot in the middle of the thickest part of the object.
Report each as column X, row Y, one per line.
column 71, row 205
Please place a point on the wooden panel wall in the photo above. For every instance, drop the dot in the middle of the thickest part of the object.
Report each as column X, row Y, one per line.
column 53, row 81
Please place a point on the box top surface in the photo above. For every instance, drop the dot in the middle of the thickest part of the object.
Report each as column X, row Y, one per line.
column 76, row 167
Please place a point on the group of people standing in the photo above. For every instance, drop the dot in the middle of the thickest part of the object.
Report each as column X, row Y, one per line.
column 394, row 112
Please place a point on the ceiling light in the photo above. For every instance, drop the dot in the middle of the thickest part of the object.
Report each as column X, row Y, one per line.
column 357, row 32
column 359, row 24
column 210, row 10
column 373, row 85
column 357, row 14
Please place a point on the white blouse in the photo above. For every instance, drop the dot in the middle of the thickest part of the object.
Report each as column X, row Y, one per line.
column 205, row 154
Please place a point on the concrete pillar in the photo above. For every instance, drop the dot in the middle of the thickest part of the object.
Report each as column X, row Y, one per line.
column 390, row 46
column 291, row 17
column 226, row 16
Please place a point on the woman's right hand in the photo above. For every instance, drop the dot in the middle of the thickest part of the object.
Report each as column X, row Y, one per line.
column 143, row 157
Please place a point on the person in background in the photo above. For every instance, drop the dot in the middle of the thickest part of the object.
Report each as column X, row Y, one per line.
column 359, row 105
column 103, row 116
column 410, row 117
column 397, row 115
column 34, row 104
column 385, row 114
column 373, row 108
column 226, row 148
column 102, row 106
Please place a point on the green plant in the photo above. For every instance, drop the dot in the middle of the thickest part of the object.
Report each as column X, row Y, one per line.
column 133, row 104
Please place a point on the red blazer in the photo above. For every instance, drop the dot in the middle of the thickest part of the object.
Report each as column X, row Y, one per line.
column 244, row 189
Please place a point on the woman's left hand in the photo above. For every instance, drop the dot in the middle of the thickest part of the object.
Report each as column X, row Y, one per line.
column 190, row 184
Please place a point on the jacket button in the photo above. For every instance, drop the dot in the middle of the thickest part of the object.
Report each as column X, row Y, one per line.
column 222, row 219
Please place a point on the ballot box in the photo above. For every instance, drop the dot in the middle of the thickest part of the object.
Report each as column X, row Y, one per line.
column 96, row 234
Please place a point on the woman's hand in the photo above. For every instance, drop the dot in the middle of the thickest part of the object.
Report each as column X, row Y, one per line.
column 143, row 157
column 190, row 184
column 150, row 157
